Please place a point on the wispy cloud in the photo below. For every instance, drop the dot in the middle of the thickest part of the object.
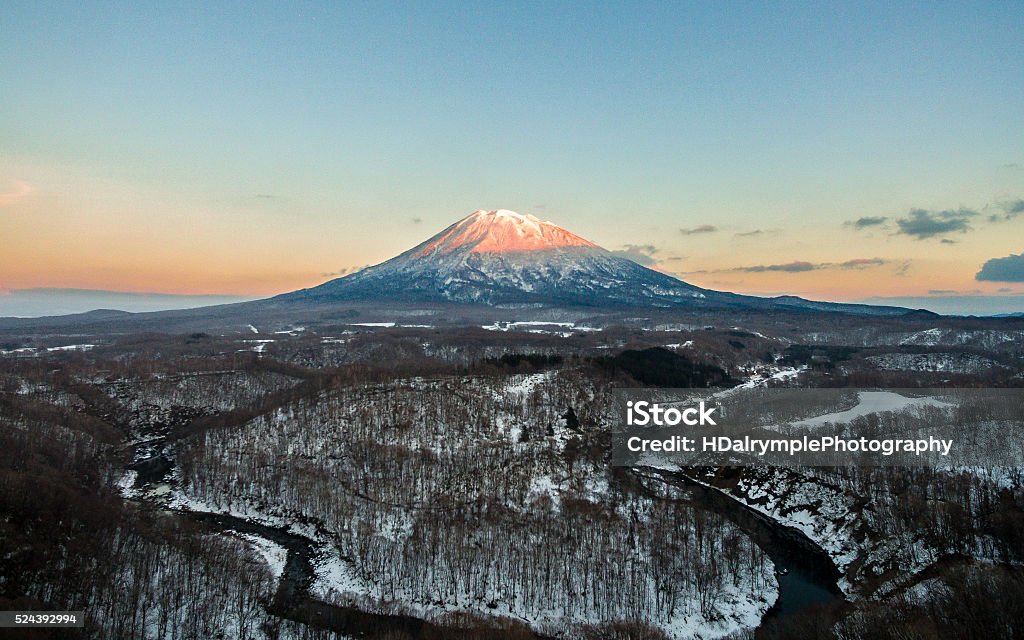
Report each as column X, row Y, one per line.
column 789, row 267
column 1010, row 209
column 754, row 233
column 639, row 253
column 800, row 266
column 1007, row 269
column 923, row 224
column 16, row 193
column 344, row 271
column 859, row 263
column 866, row 222
column 704, row 228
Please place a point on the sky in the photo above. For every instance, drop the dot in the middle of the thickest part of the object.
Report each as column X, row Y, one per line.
column 837, row 151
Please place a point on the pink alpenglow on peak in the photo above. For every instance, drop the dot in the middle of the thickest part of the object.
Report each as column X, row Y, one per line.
column 501, row 231
column 508, row 259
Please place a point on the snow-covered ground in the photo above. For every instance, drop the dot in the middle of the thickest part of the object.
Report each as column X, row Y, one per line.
column 34, row 350
column 939, row 362
column 525, row 384
column 73, row 347
column 336, row 578
column 819, row 511
column 766, row 377
column 680, row 345
column 980, row 337
column 18, row 351
column 870, row 402
column 272, row 553
column 562, row 329
column 259, row 346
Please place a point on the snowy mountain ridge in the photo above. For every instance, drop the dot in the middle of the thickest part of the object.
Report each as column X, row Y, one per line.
column 501, row 257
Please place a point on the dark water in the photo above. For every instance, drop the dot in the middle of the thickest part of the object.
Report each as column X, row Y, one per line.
column 799, row 590
column 293, row 600
column 806, row 574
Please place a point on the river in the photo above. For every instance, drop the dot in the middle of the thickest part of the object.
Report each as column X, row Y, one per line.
column 805, row 573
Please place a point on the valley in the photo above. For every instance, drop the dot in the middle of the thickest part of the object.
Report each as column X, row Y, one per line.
column 404, row 481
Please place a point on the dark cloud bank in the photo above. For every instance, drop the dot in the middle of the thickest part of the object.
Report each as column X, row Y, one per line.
column 1008, row 269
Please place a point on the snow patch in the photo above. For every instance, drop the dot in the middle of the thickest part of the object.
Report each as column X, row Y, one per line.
column 275, row 555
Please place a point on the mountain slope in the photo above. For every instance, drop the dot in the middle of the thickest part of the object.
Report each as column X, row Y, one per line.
column 506, row 258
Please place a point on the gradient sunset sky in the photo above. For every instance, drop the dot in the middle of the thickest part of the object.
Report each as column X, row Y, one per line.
column 843, row 151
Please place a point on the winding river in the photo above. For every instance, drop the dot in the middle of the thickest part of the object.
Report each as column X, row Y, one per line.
column 805, row 573
column 154, row 466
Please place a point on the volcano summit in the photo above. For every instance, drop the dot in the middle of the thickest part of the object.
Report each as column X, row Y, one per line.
column 504, row 258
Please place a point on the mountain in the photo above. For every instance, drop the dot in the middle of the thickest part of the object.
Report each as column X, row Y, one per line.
column 504, row 258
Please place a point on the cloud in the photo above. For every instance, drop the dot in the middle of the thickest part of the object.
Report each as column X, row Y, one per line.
column 19, row 191
column 265, row 196
column 639, row 253
column 801, row 266
column 947, row 241
column 1010, row 211
column 344, row 271
column 901, row 271
column 867, row 221
column 860, row 263
column 1004, row 290
column 754, row 233
column 417, row 220
column 789, row 267
column 704, row 228
column 923, row 224
column 947, row 292
column 1008, row 269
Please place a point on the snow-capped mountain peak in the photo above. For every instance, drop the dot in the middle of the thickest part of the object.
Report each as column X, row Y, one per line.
column 501, row 257
column 504, row 257
column 501, row 231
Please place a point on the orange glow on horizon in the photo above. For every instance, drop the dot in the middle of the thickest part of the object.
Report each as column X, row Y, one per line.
column 68, row 228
